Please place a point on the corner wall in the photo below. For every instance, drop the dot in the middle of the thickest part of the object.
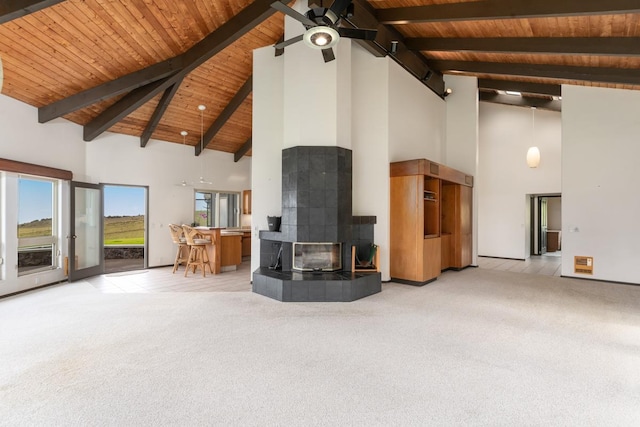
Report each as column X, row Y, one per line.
column 600, row 208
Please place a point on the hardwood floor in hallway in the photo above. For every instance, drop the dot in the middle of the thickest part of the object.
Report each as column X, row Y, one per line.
column 546, row 265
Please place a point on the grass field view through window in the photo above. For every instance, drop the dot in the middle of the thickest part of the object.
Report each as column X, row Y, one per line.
column 123, row 222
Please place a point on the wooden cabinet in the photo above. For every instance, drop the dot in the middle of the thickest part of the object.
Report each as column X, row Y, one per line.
column 456, row 223
column 246, row 202
column 430, row 218
column 246, row 243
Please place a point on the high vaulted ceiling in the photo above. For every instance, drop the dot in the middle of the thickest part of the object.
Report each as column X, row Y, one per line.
column 141, row 67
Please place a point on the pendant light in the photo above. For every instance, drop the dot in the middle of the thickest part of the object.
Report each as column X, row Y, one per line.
column 184, row 134
column 202, row 107
column 533, row 154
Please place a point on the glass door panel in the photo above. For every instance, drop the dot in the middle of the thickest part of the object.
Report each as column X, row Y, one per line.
column 85, row 243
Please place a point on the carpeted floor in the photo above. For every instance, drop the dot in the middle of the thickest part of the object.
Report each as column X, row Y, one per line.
column 475, row 347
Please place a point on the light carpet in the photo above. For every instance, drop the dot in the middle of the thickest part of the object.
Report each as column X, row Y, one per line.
column 476, row 347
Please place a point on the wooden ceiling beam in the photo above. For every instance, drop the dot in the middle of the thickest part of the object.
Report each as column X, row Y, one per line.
column 162, row 106
column 524, row 87
column 243, row 150
column 228, row 111
column 121, row 109
column 109, row 89
column 562, row 72
column 610, row 46
column 364, row 16
column 503, row 9
column 201, row 52
column 13, row 9
column 521, row 101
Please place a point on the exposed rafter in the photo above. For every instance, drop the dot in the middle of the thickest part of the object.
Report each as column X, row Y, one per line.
column 201, row 52
column 13, row 9
column 364, row 16
column 594, row 74
column 121, row 109
column 110, row 89
column 521, row 101
column 242, row 150
column 611, row 46
column 228, row 111
column 503, row 9
column 167, row 96
column 523, row 87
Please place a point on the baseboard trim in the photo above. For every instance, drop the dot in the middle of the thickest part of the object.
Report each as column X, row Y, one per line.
column 612, row 282
column 33, row 289
column 499, row 257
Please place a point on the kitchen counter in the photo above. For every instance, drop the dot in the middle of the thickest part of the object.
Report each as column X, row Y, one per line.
column 225, row 251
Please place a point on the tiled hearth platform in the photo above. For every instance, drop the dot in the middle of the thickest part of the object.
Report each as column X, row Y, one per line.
column 292, row 286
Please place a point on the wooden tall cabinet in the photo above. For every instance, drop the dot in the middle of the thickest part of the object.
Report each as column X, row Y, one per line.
column 430, row 220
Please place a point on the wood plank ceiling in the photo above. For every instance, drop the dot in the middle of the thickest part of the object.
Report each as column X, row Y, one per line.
column 141, row 67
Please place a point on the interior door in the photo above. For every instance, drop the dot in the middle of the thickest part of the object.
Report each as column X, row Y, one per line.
column 85, row 240
column 542, row 211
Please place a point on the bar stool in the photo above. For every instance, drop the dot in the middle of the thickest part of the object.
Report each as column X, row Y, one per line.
column 177, row 235
column 198, row 256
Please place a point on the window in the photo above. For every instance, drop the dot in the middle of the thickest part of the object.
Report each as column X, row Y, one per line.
column 217, row 209
column 37, row 225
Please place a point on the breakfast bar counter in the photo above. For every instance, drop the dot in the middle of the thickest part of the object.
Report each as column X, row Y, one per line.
column 225, row 249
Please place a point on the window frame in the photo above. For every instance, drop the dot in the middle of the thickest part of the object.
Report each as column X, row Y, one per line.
column 53, row 240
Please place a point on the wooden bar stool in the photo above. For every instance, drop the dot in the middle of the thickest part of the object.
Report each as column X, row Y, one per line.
column 182, row 255
column 198, row 256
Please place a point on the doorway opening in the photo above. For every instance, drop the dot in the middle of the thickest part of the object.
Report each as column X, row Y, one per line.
column 125, row 228
column 546, row 225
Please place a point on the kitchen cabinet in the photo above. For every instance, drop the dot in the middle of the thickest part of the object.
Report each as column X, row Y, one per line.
column 246, row 202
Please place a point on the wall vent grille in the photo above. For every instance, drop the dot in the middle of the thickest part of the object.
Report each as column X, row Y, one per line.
column 583, row 264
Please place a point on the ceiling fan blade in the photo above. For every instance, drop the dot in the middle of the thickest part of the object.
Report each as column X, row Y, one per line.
column 328, row 55
column 339, row 6
column 293, row 13
column 358, row 33
column 289, row 42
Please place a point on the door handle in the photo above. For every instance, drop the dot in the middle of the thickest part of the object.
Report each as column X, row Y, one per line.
column 74, row 237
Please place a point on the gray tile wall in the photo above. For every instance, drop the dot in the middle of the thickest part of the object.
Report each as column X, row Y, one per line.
column 316, row 194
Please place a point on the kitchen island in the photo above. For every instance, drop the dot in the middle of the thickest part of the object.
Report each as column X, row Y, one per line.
column 225, row 249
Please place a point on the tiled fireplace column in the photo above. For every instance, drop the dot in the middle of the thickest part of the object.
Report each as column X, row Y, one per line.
column 316, row 208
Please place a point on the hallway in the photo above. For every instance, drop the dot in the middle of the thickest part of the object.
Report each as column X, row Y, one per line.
column 545, row 265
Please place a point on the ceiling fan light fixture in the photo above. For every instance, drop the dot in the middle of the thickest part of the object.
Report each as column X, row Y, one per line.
column 321, row 37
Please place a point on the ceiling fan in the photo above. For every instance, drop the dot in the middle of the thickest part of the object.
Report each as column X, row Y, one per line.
column 322, row 29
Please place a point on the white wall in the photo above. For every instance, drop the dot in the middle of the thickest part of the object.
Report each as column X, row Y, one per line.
column 268, row 134
column 417, row 118
column 600, row 208
column 504, row 179
column 370, row 143
column 112, row 159
column 461, row 150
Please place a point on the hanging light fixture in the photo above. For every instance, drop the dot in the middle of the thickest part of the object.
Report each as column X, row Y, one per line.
column 533, row 154
column 202, row 108
column 184, row 134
